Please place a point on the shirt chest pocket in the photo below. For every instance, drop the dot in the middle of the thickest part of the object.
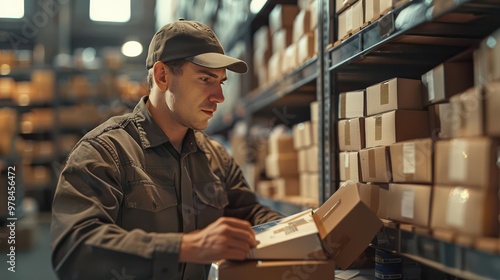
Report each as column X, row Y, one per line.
column 149, row 197
column 211, row 199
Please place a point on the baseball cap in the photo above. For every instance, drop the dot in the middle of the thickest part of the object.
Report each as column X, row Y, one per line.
column 193, row 41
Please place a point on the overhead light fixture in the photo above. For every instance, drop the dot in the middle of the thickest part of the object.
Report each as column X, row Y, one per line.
column 12, row 8
column 132, row 49
column 256, row 5
column 109, row 10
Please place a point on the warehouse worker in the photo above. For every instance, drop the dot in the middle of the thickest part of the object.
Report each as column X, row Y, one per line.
column 147, row 195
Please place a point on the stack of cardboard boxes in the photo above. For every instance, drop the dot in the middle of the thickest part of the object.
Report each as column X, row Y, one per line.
column 287, row 42
column 305, row 141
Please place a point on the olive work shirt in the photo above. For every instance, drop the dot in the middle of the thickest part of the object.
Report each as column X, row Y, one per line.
column 125, row 197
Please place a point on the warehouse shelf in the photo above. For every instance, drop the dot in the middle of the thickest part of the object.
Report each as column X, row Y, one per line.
column 465, row 262
column 286, row 91
column 411, row 40
column 285, row 207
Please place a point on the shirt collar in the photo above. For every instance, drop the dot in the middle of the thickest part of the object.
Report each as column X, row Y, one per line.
column 151, row 134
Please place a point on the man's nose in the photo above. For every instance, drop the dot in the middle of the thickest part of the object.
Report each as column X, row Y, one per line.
column 217, row 95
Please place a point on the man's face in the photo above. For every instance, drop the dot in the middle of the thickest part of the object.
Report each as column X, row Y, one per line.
column 192, row 96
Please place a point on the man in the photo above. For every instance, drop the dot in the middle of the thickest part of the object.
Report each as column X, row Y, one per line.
column 147, row 195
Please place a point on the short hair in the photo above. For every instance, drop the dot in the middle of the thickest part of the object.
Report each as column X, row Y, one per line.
column 174, row 65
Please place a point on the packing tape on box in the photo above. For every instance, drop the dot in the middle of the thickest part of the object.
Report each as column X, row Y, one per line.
column 347, row 133
column 378, row 128
column 372, row 169
column 343, row 104
column 384, row 93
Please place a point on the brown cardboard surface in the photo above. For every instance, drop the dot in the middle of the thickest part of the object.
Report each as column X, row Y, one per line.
column 469, row 162
column 409, row 203
column 313, row 185
column 375, row 165
column 301, row 24
column 341, row 5
column 467, row 113
column 302, row 135
column 349, row 166
column 281, row 165
column 396, row 126
column 372, row 10
column 303, row 160
column 351, row 19
column 411, row 161
column 305, row 47
column 471, row 211
column 262, row 39
column 289, row 58
column 315, row 133
column 274, row 67
column 351, row 134
column 334, row 228
column 492, row 112
column 446, row 80
column 375, row 196
column 272, row 270
column 282, row 16
column 393, row 94
column 441, row 120
column 312, row 159
column 281, row 144
column 487, row 60
column 338, row 219
column 286, row 186
column 314, row 107
column 352, row 104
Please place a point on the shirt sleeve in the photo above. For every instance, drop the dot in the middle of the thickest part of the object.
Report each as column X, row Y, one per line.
column 87, row 243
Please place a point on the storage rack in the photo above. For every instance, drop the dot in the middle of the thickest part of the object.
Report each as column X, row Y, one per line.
column 385, row 48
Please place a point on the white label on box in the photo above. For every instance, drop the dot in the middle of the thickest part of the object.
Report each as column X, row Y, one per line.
column 346, row 274
column 346, row 160
column 407, row 204
column 429, row 76
column 457, row 202
column 409, row 158
column 457, row 160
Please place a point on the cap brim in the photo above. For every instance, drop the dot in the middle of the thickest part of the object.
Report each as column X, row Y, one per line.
column 217, row 60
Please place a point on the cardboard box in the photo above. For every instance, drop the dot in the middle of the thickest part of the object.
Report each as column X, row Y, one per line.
column 305, row 188
column 341, row 5
column 375, row 165
column 261, row 59
column 313, row 186
column 262, row 39
column 372, row 10
column 352, row 104
column 468, row 162
column 409, row 204
column 350, row 20
column 396, row 126
column 7, row 88
column 289, row 59
column 286, row 186
column 487, row 60
column 43, row 84
column 281, row 144
column 349, row 166
column 274, row 67
column 334, row 226
column 440, row 120
column 492, row 116
column 312, row 158
column 301, row 24
column 351, row 134
column 272, row 269
column 313, row 7
column 306, row 48
column 394, row 94
column 303, row 158
column 315, row 133
column 302, row 135
column 411, row 161
column 469, row 210
column 282, row 16
column 282, row 38
column 265, row 188
column 314, row 107
column 281, row 165
column 446, row 80
column 376, row 196
column 467, row 113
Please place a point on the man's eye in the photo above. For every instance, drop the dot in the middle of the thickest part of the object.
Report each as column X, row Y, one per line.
column 204, row 79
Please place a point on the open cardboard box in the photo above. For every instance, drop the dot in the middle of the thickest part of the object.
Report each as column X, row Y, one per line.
column 340, row 229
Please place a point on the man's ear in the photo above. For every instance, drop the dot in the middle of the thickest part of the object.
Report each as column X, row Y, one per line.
column 160, row 72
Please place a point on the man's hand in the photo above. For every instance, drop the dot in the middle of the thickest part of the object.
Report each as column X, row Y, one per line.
column 226, row 238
